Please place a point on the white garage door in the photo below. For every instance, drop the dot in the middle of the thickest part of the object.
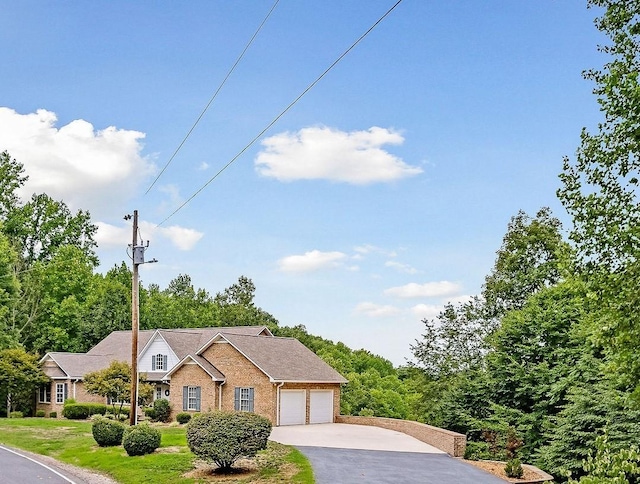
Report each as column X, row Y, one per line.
column 293, row 407
column 321, row 406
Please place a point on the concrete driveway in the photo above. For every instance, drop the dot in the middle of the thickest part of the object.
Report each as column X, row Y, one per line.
column 348, row 436
column 357, row 454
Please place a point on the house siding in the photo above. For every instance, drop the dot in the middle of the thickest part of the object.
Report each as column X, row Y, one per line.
column 240, row 372
column 157, row 347
column 192, row 375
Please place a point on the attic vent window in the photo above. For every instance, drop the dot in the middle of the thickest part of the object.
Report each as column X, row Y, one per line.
column 159, row 363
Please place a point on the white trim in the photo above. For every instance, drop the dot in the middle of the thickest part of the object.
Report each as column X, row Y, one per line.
column 183, row 361
column 221, row 332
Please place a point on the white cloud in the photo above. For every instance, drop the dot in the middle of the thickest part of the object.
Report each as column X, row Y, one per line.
column 203, row 166
column 426, row 311
column 86, row 168
column 112, row 236
column 428, row 289
column 362, row 250
column 310, row 261
column 320, row 152
column 404, row 268
column 376, row 310
column 182, row 237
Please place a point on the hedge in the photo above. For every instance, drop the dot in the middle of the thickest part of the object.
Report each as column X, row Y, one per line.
column 82, row 411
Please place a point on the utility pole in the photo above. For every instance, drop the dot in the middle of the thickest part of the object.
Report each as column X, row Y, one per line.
column 133, row 414
column 137, row 256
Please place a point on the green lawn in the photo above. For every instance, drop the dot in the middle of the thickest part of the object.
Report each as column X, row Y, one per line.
column 71, row 442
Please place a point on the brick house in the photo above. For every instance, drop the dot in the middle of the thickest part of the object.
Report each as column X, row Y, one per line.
column 242, row 368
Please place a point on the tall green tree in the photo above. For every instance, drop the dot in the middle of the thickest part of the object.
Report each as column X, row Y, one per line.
column 43, row 225
column 9, row 291
column 600, row 191
column 61, row 290
column 20, row 376
column 11, row 179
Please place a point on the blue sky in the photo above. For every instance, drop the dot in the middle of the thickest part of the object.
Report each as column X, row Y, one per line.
column 382, row 194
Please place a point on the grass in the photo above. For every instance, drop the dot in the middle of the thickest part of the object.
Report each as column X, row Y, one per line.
column 71, row 442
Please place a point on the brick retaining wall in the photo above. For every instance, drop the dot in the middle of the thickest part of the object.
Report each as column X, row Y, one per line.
column 450, row 442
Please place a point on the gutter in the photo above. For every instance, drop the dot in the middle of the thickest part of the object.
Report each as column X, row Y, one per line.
column 220, row 395
column 278, row 403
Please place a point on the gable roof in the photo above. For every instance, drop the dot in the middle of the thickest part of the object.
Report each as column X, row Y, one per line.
column 74, row 365
column 202, row 362
column 182, row 341
column 283, row 359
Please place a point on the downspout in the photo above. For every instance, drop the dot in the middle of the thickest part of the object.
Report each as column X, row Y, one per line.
column 278, row 403
column 220, row 394
column 74, row 387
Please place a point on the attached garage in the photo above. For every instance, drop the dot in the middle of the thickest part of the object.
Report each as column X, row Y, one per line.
column 320, row 406
column 293, row 407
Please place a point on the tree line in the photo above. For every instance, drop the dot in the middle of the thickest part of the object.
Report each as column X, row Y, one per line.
column 551, row 347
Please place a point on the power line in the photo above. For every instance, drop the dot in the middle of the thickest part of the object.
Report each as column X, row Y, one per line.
column 275, row 120
column 214, row 96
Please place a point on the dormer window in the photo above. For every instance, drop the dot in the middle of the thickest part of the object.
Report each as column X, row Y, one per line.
column 159, row 363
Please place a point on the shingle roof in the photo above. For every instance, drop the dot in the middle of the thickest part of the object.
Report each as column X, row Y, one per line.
column 76, row 365
column 284, row 359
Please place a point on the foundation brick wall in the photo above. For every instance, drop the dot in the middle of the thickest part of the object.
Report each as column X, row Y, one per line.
column 450, row 442
column 193, row 376
column 74, row 390
column 240, row 372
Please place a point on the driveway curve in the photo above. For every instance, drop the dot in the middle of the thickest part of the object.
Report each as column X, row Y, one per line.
column 356, row 454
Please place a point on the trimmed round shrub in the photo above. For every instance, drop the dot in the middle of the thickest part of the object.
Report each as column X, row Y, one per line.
column 40, row 413
column 224, row 437
column 16, row 415
column 107, row 432
column 161, row 410
column 141, row 439
column 150, row 413
column 53, row 414
column 183, row 417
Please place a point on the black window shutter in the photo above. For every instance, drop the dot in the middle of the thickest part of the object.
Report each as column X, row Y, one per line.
column 185, row 398
column 198, row 394
column 236, row 400
column 153, row 362
column 66, row 391
column 251, row 399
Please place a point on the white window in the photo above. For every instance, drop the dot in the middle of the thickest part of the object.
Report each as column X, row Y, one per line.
column 243, row 399
column 61, row 392
column 45, row 393
column 191, row 398
column 159, row 363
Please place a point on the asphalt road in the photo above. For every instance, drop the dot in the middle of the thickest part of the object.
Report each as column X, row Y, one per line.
column 357, row 466
column 16, row 468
